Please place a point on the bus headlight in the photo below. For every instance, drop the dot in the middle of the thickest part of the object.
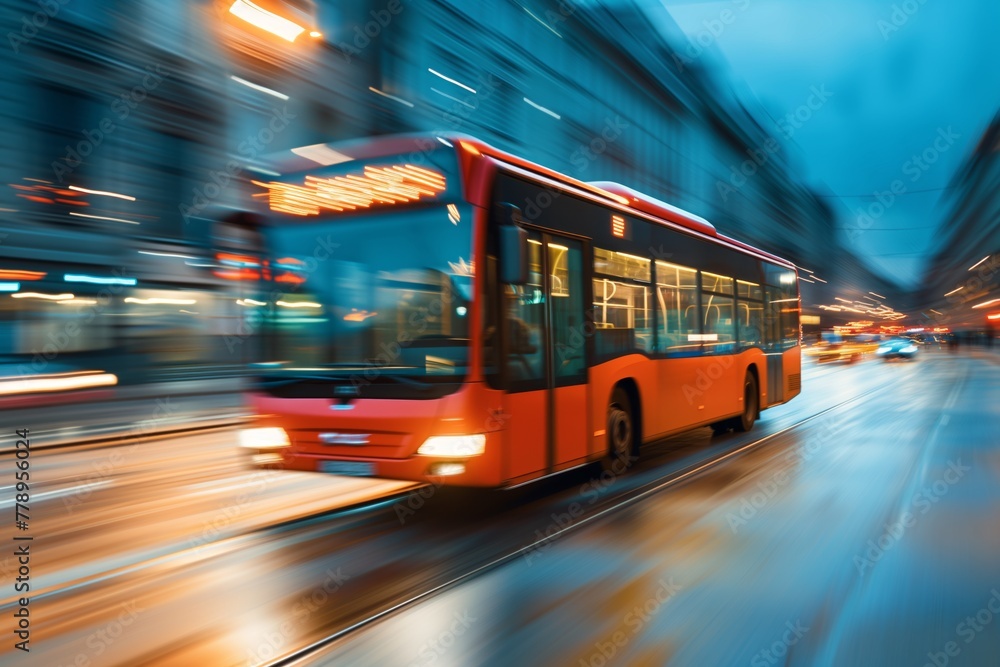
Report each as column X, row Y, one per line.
column 270, row 437
column 453, row 445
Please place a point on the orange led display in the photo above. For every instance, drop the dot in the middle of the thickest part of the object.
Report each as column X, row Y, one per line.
column 618, row 226
column 376, row 186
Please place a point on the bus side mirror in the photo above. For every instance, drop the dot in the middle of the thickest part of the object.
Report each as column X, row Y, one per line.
column 513, row 247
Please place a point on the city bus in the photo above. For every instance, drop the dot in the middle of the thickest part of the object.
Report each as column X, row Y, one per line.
column 439, row 310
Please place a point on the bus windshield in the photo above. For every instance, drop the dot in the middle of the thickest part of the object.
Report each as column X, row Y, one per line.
column 387, row 290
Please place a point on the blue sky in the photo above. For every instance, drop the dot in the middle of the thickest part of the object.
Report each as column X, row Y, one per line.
column 905, row 79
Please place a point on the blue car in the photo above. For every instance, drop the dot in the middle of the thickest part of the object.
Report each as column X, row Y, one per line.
column 898, row 348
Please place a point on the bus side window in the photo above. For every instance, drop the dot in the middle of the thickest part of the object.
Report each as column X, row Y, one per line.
column 677, row 295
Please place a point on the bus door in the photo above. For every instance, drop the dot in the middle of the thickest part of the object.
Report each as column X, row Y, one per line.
column 773, row 348
column 546, row 355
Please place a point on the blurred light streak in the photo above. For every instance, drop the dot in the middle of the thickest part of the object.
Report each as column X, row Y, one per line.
column 77, row 302
column 265, row 20
column 984, row 304
column 39, row 295
column 316, row 34
column 469, row 147
column 450, row 80
column 543, row 109
column 17, row 274
column 979, row 262
column 160, row 301
column 995, row 316
column 78, row 278
column 819, row 279
column 957, row 289
column 250, row 302
column 260, row 88
column 452, row 98
column 878, row 295
column 57, row 382
column 10, row 287
column 166, row 254
column 546, row 25
column 391, row 97
column 103, row 217
column 101, row 192
column 446, row 142
column 299, row 304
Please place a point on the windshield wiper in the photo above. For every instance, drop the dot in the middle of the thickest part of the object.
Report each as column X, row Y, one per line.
column 284, row 380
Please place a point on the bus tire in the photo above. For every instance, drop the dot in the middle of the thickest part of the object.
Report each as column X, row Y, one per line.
column 621, row 432
column 751, row 403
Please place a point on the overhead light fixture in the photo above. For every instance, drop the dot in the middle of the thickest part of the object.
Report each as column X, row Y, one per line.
column 273, row 23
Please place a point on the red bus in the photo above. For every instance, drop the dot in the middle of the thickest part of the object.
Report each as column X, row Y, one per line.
column 441, row 310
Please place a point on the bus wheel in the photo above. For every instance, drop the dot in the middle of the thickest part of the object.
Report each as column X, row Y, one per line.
column 751, row 403
column 621, row 433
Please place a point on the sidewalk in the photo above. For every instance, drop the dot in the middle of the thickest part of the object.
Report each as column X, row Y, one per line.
column 124, row 412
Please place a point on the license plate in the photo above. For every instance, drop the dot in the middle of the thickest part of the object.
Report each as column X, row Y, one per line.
column 352, row 468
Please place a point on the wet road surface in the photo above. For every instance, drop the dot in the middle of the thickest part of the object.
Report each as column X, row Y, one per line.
column 857, row 525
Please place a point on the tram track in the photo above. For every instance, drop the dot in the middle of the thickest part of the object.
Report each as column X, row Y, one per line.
column 305, row 655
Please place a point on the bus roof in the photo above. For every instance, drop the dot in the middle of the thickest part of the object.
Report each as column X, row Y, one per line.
column 307, row 158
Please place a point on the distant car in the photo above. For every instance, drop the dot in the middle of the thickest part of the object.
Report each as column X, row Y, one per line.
column 898, row 348
column 837, row 348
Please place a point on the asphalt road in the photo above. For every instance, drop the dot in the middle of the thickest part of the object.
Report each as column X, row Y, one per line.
column 857, row 525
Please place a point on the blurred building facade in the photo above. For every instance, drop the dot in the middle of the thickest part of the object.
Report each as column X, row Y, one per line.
column 972, row 239
column 151, row 113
